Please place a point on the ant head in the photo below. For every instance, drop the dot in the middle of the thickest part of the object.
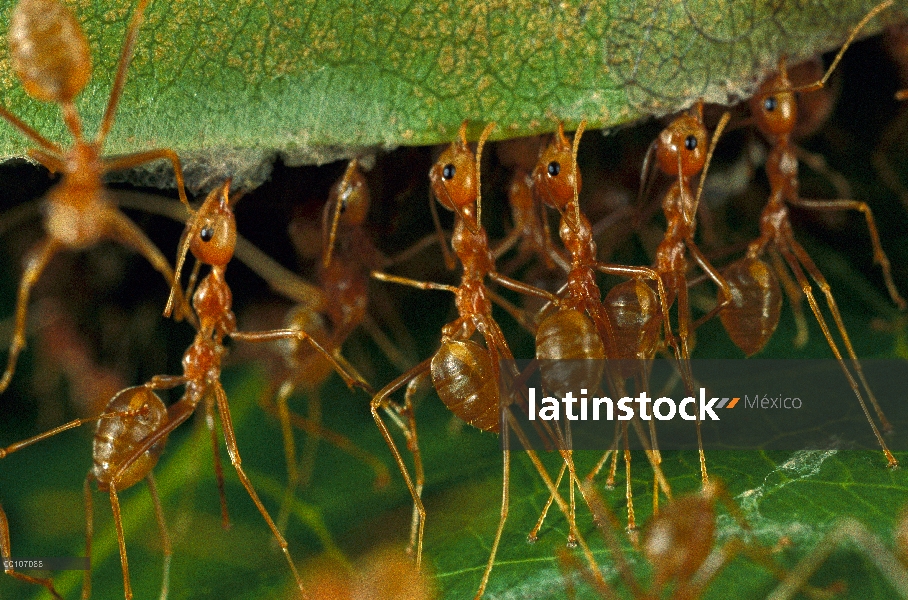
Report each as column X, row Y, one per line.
column 455, row 177
column 681, row 147
column 556, row 172
column 774, row 106
column 49, row 50
column 212, row 232
column 348, row 203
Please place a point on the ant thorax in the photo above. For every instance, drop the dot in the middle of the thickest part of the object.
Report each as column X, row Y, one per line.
column 578, row 240
column 472, row 248
column 212, row 302
column 782, row 170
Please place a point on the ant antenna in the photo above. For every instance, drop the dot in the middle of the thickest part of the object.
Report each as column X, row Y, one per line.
column 482, row 140
column 574, row 147
column 450, row 261
column 712, row 148
column 129, row 45
column 337, row 213
column 810, row 87
column 647, row 173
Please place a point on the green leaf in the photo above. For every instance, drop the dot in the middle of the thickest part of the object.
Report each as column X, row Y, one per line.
column 228, row 85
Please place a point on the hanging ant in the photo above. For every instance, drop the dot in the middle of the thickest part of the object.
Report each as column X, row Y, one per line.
column 753, row 314
column 465, row 374
column 582, row 328
column 121, row 458
column 50, row 56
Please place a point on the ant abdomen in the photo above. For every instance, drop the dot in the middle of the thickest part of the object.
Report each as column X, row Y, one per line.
column 467, row 382
column 49, row 51
column 137, row 413
column 634, row 312
column 571, row 352
column 756, row 303
column 568, row 335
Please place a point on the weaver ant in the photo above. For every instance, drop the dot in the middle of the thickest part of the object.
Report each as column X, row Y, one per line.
column 678, row 544
column 753, row 314
column 121, row 458
column 582, row 328
column 464, row 373
column 50, row 56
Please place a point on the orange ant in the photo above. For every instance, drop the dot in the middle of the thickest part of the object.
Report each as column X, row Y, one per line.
column 464, row 373
column 681, row 151
column 679, row 545
column 581, row 328
column 211, row 236
column 754, row 311
column 531, row 226
column 121, row 459
column 50, row 56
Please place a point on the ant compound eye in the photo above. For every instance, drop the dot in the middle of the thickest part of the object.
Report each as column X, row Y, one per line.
column 448, row 171
column 690, row 142
column 770, row 103
column 554, row 168
column 207, row 233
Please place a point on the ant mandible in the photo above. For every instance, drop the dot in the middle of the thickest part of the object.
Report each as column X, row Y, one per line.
column 50, row 56
column 755, row 289
column 464, row 373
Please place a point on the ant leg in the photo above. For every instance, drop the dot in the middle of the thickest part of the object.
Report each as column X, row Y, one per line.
column 817, row 276
column 628, row 489
column 683, row 333
column 129, row 161
column 517, row 313
column 794, row 265
column 234, row 453
column 51, row 162
column 607, row 524
column 89, row 533
column 409, row 430
column 121, row 539
column 795, row 298
column 29, row 132
column 218, row 469
column 129, row 44
column 126, row 232
column 505, row 498
column 848, row 529
column 6, row 552
column 283, row 414
column 713, row 274
column 534, row 533
column 381, row 401
column 511, row 424
column 879, row 256
column 522, row 288
column 166, row 547
column 35, row 263
column 344, row 369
